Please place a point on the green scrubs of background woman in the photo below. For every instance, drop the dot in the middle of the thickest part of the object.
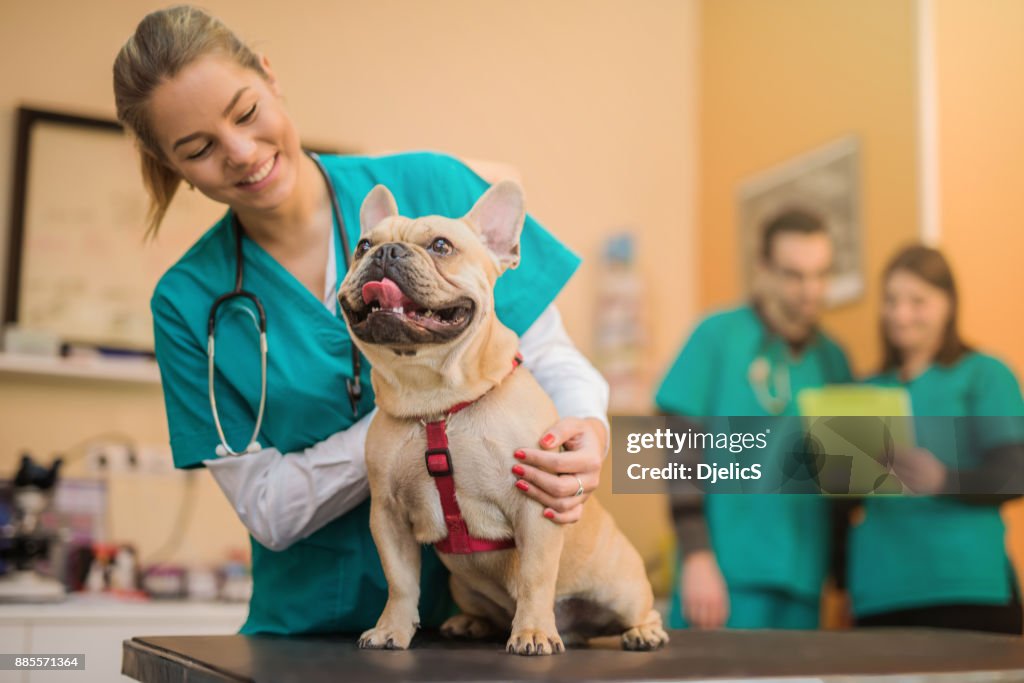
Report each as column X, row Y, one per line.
column 939, row 561
column 771, row 549
column 172, row 82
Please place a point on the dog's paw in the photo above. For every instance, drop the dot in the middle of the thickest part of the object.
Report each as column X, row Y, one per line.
column 386, row 638
column 534, row 642
column 649, row 636
column 467, row 626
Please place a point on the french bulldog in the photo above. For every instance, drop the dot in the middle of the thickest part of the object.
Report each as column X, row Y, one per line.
column 419, row 304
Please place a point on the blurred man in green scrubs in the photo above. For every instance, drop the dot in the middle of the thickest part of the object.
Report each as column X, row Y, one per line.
column 750, row 560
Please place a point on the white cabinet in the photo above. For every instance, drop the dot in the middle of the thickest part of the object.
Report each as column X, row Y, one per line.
column 96, row 627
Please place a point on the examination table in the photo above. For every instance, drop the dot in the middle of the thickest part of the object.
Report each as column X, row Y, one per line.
column 904, row 655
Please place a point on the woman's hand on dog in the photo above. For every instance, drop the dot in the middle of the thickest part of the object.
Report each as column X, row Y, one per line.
column 549, row 475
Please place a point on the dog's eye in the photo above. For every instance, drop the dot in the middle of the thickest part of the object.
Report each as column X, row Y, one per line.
column 441, row 247
column 362, row 247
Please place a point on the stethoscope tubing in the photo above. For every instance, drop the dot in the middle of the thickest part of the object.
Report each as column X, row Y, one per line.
column 353, row 385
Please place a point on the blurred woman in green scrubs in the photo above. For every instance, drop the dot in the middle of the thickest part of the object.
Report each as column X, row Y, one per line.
column 939, row 560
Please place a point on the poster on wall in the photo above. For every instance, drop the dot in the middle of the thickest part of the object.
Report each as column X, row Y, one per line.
column 79, row 268
column 824, row 181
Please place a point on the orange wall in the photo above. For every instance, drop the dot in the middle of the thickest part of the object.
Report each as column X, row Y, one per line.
column 980, row 104
column 782, row 78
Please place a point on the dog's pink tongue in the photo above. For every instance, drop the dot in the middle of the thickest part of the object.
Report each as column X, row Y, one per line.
column 385, row 291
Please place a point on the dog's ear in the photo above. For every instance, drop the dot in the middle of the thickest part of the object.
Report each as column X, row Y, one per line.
column 378, row 205
column 499, row 215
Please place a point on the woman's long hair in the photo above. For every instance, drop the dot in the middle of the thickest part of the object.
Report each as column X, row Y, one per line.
column 164, row 43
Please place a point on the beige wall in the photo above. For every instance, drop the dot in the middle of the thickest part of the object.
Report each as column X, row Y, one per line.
column 593, row 101
column 782, row 78
column 979, row 58
column 980, row 109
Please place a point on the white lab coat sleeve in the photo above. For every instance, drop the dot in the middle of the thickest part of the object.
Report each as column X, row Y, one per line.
column 574, row 385
column 284, row 498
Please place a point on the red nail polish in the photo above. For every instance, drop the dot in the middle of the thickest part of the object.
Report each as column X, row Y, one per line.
column 518, row 470
column 547, row 440
column 522, row 485
column 550, row 514
column 520, row 455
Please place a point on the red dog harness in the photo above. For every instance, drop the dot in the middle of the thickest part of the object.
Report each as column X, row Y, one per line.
column 439, row 466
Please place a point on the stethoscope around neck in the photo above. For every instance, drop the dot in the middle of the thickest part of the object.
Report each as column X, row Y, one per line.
column 352, row 385
column 770, row 383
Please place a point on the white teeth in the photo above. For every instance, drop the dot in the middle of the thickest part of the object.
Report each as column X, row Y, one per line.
column 262, row 173
column 400, row 310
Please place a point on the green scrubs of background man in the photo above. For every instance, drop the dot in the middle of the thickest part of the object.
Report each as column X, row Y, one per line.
column 757, row 561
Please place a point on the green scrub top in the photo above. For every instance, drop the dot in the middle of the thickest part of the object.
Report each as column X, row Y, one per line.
column 332, row 580
column 771, row 542
column 916, row 552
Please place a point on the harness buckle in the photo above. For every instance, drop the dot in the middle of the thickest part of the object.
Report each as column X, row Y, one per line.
column 436, row 466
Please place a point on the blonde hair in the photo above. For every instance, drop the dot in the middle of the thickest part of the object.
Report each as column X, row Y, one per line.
column 164, row 43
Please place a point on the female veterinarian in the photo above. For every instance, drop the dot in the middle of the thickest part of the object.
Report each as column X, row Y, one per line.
column 940, row 561
column 207, row 111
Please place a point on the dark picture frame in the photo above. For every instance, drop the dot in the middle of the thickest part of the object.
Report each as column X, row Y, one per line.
column 78, row 264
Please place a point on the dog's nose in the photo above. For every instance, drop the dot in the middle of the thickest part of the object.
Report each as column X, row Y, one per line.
column 390, row 253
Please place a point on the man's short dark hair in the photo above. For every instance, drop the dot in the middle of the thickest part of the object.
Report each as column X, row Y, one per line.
column 798, row 221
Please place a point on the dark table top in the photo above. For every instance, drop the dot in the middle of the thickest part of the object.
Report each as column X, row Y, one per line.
column 871, row 654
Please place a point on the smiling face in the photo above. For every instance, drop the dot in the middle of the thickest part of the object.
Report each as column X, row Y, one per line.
column 915, row 313
column 222, row 127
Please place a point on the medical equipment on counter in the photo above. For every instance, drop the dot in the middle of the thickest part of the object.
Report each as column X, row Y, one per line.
column 23, row 540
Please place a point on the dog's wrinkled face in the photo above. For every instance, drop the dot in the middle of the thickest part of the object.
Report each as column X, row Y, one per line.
column 428, row 280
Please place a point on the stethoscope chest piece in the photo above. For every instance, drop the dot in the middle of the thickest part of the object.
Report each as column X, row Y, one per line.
column 771, row 385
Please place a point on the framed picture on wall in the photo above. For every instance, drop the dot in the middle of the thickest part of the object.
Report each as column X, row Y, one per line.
column 78, row 265
column 824, row 181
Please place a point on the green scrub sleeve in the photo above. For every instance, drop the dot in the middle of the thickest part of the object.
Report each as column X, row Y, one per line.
column 995, row 390
column 545, row 266
column 688, row 385
column 995, row 399
column 183, row 374
column 997, row 437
